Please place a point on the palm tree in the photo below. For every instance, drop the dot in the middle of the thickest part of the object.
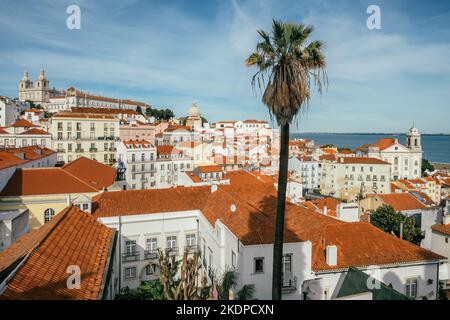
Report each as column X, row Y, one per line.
column 286, row 67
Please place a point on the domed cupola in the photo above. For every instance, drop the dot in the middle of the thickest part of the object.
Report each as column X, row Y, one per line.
column 194, row 111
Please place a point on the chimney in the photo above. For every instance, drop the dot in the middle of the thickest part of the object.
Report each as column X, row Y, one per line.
column 213, row 188
column 446, row 219
column 69, row 199
column 325, row 210
column 331, row 255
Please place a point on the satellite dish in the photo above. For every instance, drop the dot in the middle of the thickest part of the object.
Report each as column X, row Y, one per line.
column 233, row 208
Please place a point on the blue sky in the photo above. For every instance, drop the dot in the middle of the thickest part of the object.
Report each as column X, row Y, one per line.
column 169, row 53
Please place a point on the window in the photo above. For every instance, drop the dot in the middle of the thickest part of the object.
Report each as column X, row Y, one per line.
column 287, row 263
column 152, row 244
column 171, row 242
column 130, row 273
column 190, row 240
column 85, row 206
column 259, row 265
column 48, row 215
column 233, row 259
column 411, row 288
column 130, row 247
column 150, row 269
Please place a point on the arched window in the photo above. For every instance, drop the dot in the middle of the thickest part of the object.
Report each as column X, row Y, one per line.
column 48, row 214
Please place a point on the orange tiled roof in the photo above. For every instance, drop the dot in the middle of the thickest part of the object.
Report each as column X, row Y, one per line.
column 104, row 110
column 384, row 143
column 72, row 237
column 255, row 121
column 401, row 201
column 10, row 158
column 329, row 157
column 73, row 92
column 361, row 160
column 35, row 110
column 442, row 228
column 35, row 131
column 94, row 173
column 81, row 176
column 167, row 150
column 138, row 144
column 82, row 115
column 252, row 221
column 22, row 123
column 209, row 169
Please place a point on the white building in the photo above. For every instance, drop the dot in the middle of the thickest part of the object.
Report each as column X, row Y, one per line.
column 148, row 167
column 405, row 203
column 23, row 133
column 39, row 92
column 234, row 229
column 350, row 177
column 440, row 243
column 306, row 169
column 34, row 115
column 76, row 135
column 13, row 224
column 65, row 100
column 406, row 161
column 138, row 158
column 10, row 110
column 18, row 158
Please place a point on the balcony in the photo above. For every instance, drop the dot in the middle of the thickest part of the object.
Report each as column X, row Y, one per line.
column 60, row 150
column 112, row 149
column 150, row 255
column 172, row 251
column 289, row 283
column 79, row 150
column 93, row 149
column 130, row 256
column 192, row 248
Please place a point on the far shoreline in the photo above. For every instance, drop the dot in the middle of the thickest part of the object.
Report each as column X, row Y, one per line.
column 369, row 134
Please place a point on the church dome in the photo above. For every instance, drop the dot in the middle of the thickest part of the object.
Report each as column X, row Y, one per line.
column 194, row 111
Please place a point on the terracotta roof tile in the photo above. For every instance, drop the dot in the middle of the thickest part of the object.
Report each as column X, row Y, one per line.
column 35, row 131
column 22, row 123
column 401, row 201
column 442, row 228
column 81, row 176
column 253, row 218
column 94, row 173
column 72, row 237
column 114, row 111
column 209, row 169
column 361, row 160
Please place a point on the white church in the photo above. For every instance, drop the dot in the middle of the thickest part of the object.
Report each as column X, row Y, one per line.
column 406, row 161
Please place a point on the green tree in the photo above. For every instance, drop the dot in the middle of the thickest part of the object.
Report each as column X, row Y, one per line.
column 426, row 165
column 246, row 293
column 286, row 67
column 147, row 290
column 139, row 110
column 159, row 114
column 390, row 221
column 226, row 283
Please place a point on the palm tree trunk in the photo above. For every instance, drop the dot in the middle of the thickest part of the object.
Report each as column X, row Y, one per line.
column 279, row 222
